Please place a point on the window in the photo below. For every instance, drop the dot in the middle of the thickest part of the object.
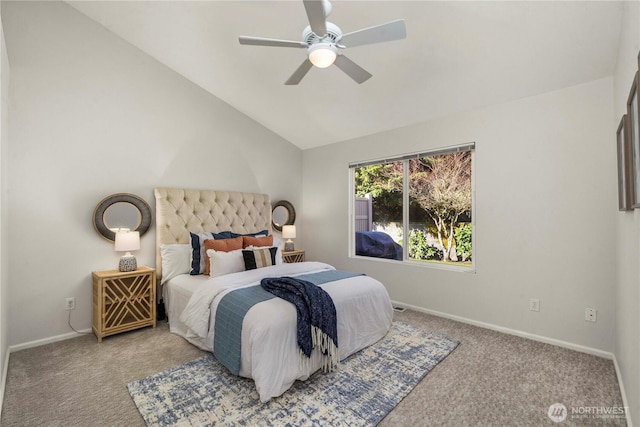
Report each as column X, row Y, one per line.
column 416, row 208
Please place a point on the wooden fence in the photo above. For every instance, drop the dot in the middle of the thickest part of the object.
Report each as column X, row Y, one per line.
column 363, row 215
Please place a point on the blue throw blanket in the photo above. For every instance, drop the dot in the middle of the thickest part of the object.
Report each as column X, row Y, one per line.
column 317, row 324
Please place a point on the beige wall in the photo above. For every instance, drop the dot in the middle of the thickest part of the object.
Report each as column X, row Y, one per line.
column 628, row 228
column 545, row 182
column 91, row 116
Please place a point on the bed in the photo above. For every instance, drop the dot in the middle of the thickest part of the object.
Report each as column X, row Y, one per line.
column 268, row 348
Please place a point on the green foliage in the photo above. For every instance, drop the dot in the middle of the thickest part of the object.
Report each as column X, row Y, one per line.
column 387, row 208
column 420, row 249
column 382, row 183
column 463, row 241
column 375, row 180
column 434, row 253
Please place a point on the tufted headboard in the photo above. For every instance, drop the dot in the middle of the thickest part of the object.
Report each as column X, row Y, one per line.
column 180, row 211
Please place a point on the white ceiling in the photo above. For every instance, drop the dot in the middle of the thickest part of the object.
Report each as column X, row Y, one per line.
column 457, row 56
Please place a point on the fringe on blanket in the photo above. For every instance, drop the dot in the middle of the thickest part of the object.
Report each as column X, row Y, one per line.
column 327, row 348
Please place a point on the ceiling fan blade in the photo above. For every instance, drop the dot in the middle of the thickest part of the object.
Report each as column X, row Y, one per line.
column 317, row 16
column 390, row 31
column 353, row 70
column 297, row 75
column 260, row 41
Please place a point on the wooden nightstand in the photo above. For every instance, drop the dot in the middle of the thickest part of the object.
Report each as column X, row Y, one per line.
column 293, row 256
column 123, row 301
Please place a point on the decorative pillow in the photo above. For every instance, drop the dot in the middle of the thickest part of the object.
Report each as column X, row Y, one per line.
column 198, row 261
column 175, row 260
column 226, row 245
column 221, row 263
column 257, row 241
column 278, row 252
column 258, row 258
column 257, row 233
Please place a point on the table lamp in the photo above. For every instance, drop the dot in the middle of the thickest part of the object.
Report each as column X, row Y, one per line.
column 127, row 241
column 288, row 232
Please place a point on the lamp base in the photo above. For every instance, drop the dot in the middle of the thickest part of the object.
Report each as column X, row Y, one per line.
column 127, row 263
column 288, row 246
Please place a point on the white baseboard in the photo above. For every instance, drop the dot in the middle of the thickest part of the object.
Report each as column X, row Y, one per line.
column 3, row 382
column 38, row 343
column 534, row 337
column 625, row 402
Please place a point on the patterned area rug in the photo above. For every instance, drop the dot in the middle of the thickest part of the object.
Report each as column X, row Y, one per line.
column 366, row 386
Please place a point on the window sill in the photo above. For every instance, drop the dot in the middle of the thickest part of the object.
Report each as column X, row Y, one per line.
column 420, row 264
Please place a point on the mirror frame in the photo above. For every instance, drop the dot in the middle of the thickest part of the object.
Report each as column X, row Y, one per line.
column 140, row 204
column 291, row 219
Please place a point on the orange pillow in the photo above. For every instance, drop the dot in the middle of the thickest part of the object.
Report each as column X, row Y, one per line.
column 257, row 241
column 225, row 245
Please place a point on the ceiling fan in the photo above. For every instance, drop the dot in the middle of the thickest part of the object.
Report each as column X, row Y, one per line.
column 324, row 42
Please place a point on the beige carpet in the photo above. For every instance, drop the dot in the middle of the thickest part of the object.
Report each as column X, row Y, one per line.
column 490, row 379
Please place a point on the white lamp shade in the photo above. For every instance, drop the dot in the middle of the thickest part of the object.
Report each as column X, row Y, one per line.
column 289, row 231
column 127, row 241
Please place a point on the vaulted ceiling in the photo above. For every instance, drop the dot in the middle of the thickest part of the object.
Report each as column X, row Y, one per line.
column 457, row 56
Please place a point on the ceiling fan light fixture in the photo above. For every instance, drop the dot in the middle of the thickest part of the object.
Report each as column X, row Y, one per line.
column 322, row 55
column 324, row 40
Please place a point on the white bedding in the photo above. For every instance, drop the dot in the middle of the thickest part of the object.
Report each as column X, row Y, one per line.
column 270, row 352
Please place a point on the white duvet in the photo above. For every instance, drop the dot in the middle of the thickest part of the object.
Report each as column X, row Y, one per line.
column 270, row 352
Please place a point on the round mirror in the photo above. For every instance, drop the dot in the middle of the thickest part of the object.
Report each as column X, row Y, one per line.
column 120, row 211
column 283, row 213
column 122, row 215
column 280, row 215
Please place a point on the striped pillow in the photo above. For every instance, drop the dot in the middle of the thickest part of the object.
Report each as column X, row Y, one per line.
column 259, row 258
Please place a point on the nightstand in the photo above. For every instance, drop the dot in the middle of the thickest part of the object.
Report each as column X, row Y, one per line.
column 293, row 256
column 123, row 301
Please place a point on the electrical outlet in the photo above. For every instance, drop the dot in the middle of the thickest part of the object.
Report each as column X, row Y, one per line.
column 70, row 304
column 534, row 304
column 590, row 314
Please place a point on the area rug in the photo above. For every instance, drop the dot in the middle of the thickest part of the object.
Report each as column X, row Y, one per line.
column 365, row 388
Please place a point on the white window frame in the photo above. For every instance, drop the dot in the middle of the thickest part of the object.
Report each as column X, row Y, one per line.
column 405, row 211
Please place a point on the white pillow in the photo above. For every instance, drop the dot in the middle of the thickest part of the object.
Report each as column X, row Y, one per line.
column 221, row 263
column 176, row 260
